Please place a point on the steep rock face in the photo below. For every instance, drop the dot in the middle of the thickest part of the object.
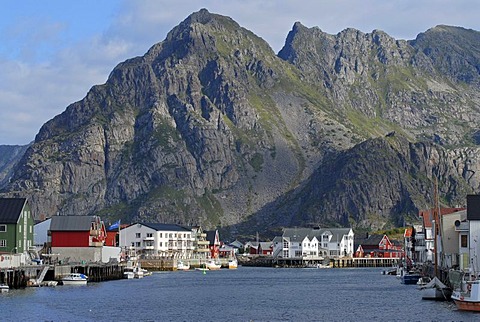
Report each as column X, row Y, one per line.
column 9, row 156
column 211, row 127
column 182, row 134
column 382, row 182
column 405, row 83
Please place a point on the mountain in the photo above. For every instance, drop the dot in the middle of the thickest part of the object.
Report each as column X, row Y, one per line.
column 10, row 155
column 211, row 127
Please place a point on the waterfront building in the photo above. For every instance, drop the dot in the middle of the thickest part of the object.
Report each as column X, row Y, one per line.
column 213, row 239
column 377, row 245
column 308, row 243
column 80, row 239
column 16, row 231
column 41, row 238
column 472, row 243
column 428, row 232
column 167, row 240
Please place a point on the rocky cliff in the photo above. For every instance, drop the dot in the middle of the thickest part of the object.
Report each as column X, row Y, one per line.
column 211, row 127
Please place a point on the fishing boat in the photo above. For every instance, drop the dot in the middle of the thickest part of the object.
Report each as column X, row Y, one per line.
column 411, row 277
column 232, row 263
column 75, row 279
column 181, row 266
column 434, row 290
column 469, row 300
column 4, row 288
column 211, row 265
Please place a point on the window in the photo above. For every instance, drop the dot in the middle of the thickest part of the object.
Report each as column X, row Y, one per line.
column 149, row 235
column 160, row 235
column 137, row 244
column 137, row 235
column 464, row 240
column 3, row 243
column 20, row 228
column 3, row 228
column 285, row 244
column 160, row 244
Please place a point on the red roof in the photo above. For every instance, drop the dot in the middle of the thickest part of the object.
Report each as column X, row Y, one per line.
column 408, row 232
column 428, row 215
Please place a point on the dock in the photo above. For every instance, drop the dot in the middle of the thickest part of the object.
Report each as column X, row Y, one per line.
column 35, row 275
column 345, row 262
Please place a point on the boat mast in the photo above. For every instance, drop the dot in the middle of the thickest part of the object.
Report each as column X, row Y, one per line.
column 436, row 222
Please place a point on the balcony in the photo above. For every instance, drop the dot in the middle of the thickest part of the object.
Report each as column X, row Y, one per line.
column 95, row 233
column 203, row 242
column 149, row 238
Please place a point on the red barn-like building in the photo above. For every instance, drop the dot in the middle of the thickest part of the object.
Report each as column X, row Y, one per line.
column 77, row 231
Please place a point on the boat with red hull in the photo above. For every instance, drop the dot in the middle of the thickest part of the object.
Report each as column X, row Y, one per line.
column 469, row 300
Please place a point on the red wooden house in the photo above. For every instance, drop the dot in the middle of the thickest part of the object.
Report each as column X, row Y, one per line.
column 265, row 248
column 377, row 246
column 77, row 231
column 213, row 243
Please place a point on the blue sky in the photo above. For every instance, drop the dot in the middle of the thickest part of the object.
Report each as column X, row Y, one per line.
column 53, row 51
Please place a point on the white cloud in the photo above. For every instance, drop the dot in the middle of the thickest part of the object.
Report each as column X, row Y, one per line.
column 46, row 66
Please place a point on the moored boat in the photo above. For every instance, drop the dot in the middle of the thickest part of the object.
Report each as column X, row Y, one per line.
column 470, row 300
column 181, row 266
column 232, row 264
column 4, row 288
column 211, row 265
column 434, row 289
column 75, row 279
column 410, row 278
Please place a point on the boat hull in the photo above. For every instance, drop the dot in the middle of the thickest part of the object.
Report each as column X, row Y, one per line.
column 74, row 282
column 467, row 305
column 75, row 279
column 410, row 279
column 435, row 294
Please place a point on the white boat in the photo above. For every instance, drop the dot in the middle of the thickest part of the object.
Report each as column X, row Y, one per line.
column 469, row 300
column 134, row 270
column 232, row 264
column 4, row 288
column 75, row 279
column 181, row 266
column 211, row 265
column 202, row 269
column 434, row 289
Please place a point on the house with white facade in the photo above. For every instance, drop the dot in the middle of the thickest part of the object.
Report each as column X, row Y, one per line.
column 473, row 241
column 41, row 238
column 316, row 243
column 165, row 240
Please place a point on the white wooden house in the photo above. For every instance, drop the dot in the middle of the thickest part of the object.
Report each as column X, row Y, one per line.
column 314, row 243
column 165, row 240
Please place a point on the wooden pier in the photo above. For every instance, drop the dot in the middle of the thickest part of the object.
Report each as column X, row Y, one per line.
column 170, row 264
column 20, row 277
column 346, row 262
column 364, row 262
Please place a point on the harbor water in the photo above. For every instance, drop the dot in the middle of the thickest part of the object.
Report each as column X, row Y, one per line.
column 245, row 294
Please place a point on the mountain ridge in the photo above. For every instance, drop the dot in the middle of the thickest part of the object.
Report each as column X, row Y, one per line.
column 211, row 127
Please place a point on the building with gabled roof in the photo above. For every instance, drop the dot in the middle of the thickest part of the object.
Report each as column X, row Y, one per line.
column 213, row 239
column 16, row 226
column 377, row 245
column 156, row 239
column 80, row 239
column 314, row 243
